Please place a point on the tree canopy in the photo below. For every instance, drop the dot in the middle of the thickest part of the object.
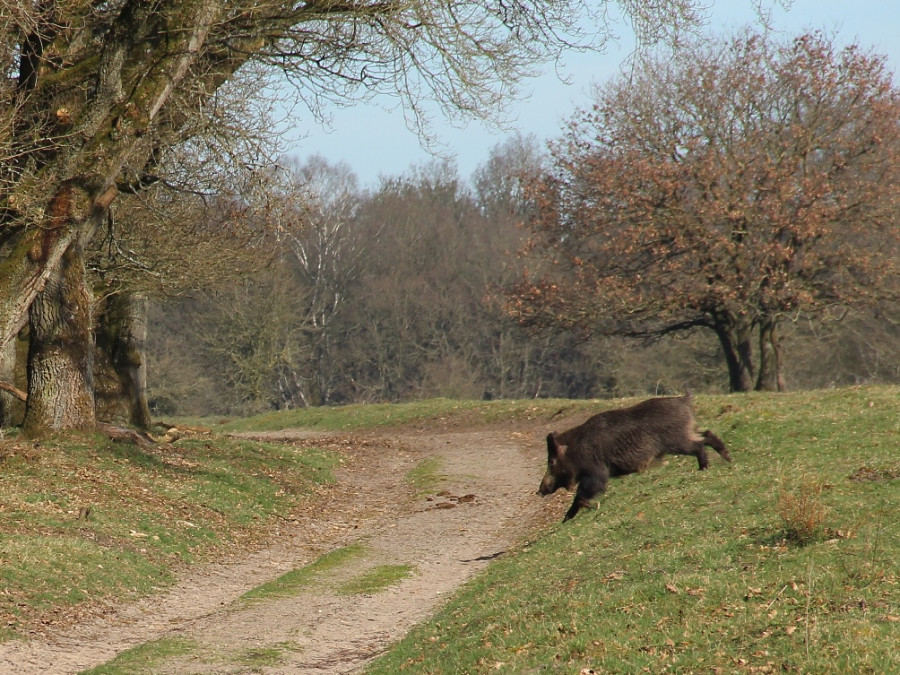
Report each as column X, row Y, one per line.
column 726, row 187
column 95, row 95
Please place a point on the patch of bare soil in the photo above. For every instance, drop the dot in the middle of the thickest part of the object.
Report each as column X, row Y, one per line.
column 486, row 502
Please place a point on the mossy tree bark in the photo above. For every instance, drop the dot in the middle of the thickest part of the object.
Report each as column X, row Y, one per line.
column 7, row 374
column 61, row 351
column 121, row 339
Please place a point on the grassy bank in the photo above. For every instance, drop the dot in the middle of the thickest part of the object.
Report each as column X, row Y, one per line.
column 84, row 520
column 428, row 414
column 785, row 560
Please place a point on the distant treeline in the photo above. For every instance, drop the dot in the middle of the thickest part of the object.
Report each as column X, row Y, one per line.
column 396, row 293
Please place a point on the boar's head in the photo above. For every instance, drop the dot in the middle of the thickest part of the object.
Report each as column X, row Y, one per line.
column 559, row 474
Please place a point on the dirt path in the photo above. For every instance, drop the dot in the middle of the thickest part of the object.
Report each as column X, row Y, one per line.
column 484, row 503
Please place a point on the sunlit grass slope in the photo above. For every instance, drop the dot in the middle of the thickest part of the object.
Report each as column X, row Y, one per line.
column 423, row 413
column 83, row 519
column 690, row 572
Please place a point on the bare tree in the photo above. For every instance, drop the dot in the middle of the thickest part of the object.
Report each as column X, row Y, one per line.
column 328, row 252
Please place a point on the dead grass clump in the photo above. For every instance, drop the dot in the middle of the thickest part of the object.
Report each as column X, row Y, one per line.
column 802, row 511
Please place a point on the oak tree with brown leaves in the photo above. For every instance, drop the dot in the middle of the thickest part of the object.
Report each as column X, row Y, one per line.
column 727, row 187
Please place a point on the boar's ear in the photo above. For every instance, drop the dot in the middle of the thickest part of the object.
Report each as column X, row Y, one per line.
column 553, row 447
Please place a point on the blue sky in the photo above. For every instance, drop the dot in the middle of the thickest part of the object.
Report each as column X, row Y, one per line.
column 374, row 141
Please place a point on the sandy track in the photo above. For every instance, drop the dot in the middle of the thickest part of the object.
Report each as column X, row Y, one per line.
column 487, row 501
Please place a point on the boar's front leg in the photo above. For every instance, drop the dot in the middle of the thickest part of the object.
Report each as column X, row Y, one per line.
column 590, row 484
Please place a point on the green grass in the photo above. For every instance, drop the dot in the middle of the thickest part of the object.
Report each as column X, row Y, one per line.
column 785, row 560
column 269, row 656
column 423, row 413
column 84, row 520
column 143, row 658
column 301, row 579
column 296, row 581
column 376, row 579
column 65, row 571
column 425, row 477
column 689, row 572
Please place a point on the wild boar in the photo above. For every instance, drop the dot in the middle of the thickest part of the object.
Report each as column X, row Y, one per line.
column 618, row 442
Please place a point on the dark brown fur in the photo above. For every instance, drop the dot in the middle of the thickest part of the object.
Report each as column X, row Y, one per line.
column 619, row 442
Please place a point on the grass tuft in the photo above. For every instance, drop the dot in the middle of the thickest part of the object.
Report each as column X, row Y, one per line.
column 269, row 656
column 376, row 579
column 425, row 477
column 296, row 581
column 802, row 510
column 144, row 658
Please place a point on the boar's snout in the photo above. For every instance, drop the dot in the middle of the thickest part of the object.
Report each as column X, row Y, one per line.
column 548, row 485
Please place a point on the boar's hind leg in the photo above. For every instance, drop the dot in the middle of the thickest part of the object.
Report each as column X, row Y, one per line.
column 713, row 441
column 700, row 453
column 589, row 485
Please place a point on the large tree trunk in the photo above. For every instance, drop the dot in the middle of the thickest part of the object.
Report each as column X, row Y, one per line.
column 121, row 340
column 61, row 351
column 7, row 374
column 770, row 377
column 30, row 256
column 27, row 258
column 735, row 336
column 13, row 381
